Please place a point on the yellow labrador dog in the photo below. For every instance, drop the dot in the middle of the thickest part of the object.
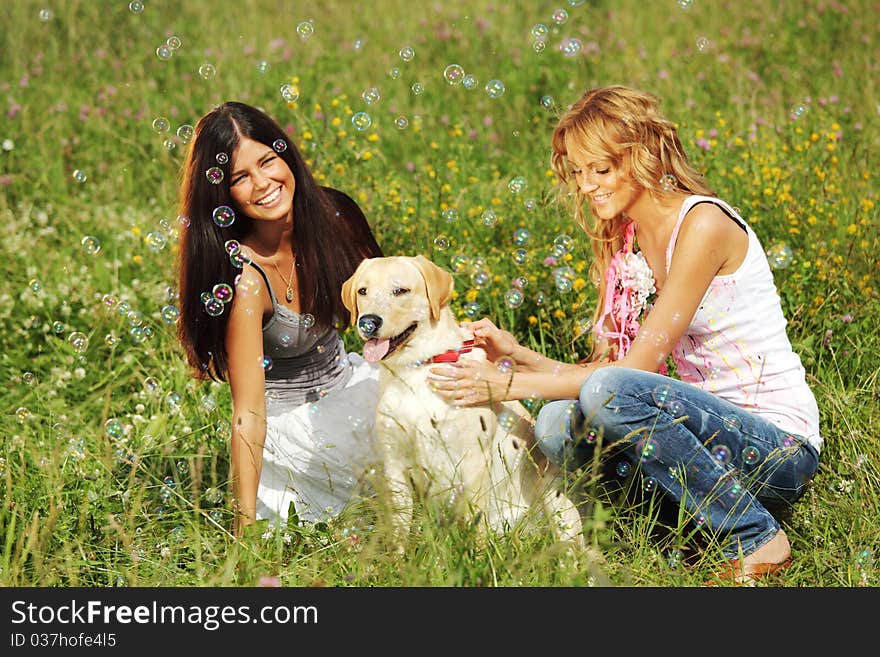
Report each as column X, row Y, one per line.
column 480, row 458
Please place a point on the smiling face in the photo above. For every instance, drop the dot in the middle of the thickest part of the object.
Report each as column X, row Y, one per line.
column 261, row 184
column 608, row 188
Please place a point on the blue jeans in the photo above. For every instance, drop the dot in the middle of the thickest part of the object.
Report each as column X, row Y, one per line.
column 727, row 467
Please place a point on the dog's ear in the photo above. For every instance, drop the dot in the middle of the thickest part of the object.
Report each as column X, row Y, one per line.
column 349, row 292
column 438, row 282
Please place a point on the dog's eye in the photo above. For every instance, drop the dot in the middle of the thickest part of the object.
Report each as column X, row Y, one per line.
column 362, row 291
column 400, row 290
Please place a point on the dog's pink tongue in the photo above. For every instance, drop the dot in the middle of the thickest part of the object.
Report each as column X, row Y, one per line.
column 375, row 350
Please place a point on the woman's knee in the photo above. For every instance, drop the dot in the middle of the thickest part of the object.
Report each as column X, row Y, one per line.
column 553, row 428
column 599, row 390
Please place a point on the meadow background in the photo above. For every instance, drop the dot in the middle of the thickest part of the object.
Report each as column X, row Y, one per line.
column 113, row 460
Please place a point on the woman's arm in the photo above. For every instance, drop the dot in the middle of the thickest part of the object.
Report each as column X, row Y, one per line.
column 247, row 382
column 707, row 241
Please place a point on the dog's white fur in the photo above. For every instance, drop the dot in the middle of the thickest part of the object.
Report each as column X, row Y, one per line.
column 482, row 458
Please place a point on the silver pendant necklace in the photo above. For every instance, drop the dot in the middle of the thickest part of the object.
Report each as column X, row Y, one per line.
column 288, row 293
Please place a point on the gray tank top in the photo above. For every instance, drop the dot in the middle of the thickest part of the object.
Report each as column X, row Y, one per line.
column 308, row 361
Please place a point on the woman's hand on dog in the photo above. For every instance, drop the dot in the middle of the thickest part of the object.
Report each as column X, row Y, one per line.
column 468, row 382
column 496, row 342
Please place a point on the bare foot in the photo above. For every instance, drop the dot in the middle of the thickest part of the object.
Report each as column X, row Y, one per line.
column 776, row 550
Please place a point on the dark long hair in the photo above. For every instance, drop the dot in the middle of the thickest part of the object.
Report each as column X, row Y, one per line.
column 328, row 246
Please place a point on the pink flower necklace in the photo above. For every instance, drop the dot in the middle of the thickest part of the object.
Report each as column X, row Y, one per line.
column 629, row 282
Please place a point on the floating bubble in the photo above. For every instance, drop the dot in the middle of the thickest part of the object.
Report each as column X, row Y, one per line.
column 450, row 215
column 371, row 95
column 480, row 278
column 151, row 384
column 489, row 218
column 161, row 124
column 114, row 428
column 279, row 145
column 90, row 245
column 703, row 44
column 472, row 309
column 564, row 278
column 539, row 31
column 521, row 282
column 685, row 4
column 29, row 378
column 170, row 314
column 173, row 42
column 562, row 244
column 223, row 292
column 516, row 184
column 204, row 297
column 668, row 182
column 263, row 67
column 418, row 88
column 623, row 468
column 361, row 121
column 401, row 122
column 155, row 241
column 514, row 298
column 797, row 112
column 453, row 74
column 441, row 242
column 407, row 53
column 394, row 73
column 185, row 132
column 207, row 71
column 111, row 340
column 459, row 262
column 214, row 307
column 169, row 144
column 265, row 362
column 305, row 30
column 721, row 453
column 79, row 341
column 164, row 52
column 539, row 46
column 731, row 423
column 547, row 102
column 520, row 257
column 751, row 455
column 136, row 6
column 80, row 176
column 649, row 484
column 648, row 450
column 560, row 16
column 662, row 395
column 470, row 81
column 45, row 15
column 570, row 47
column 521, row 236
column 289, row 92
column 779, row 255
column 495, row 88
column 222, row 158
column 308, row 320
column 22, row 413
column 214, row 175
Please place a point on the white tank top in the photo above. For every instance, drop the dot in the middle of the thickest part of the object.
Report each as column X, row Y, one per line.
column 736, row 346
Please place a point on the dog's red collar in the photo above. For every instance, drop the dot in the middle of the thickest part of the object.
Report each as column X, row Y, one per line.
column 452, row 355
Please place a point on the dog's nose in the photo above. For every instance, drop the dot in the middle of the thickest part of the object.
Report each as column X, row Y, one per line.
column 369, row 325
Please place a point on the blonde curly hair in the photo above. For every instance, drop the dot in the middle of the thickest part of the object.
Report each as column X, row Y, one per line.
column 625, row 126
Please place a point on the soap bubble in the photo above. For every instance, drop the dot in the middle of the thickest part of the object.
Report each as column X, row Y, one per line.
column 406, row 54
column 80, row 176
column 90, row 245
column 779, row 255
column 371, row 95
column 453, row 74
column 161, row 124
column 361, row 121
column 207, row 71
column 164, row 52
column 289, row 93
column 495, row 88
column 305, row 29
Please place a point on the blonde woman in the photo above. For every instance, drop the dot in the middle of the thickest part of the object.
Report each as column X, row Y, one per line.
column 735, row 435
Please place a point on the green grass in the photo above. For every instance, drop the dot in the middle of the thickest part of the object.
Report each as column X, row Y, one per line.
column 144, row 501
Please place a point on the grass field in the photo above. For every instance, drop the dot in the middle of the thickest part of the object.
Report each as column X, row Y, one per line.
column 113, row 460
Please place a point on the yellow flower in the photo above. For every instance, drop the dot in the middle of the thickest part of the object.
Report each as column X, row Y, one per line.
column 471, row 295
column 532, row 320
column 579, row 284
column 136, row 231
column 373, row 137
column 137, row 259
column 559, row 314
column 852, row 229
column 367, row 155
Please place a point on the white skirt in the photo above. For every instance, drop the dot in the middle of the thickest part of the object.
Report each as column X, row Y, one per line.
column 316, row 454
